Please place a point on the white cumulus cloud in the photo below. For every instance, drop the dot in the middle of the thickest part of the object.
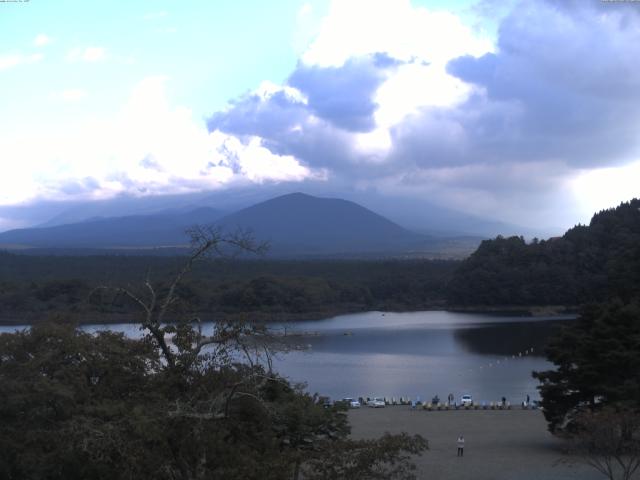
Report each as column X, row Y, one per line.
column 360, row 27
column 147, row 147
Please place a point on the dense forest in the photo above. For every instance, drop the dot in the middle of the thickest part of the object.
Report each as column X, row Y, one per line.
column 588, row 263
column 32, row 287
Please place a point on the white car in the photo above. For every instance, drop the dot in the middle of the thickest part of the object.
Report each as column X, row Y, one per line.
column 376, row 402
column 351, row 402
column 466, row 400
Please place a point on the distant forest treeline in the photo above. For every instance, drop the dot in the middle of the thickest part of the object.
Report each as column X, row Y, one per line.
column 36, row 285
column 588, row 263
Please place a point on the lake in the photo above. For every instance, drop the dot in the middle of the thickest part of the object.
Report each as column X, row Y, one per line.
column 422, row 353
column 414, row 354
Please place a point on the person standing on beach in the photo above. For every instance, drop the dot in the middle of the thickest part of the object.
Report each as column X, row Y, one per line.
column 461, row 446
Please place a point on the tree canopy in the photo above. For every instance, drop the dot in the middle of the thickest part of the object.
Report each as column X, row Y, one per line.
column 597, row 361
column 32, row 287
column 588, row 263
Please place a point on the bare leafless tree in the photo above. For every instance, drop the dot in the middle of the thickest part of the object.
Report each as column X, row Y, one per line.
column 609, row 441
column 181, row 340
column 187, row 336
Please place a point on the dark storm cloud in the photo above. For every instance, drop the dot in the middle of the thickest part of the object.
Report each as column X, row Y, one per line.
column 343, row 96
column 560, row 94
column 563, row 84
column 287, row 127
column 339, row 102
column 253, row 114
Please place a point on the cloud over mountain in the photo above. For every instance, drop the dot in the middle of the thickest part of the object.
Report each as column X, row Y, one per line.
column 506, row 129
column 390, row 98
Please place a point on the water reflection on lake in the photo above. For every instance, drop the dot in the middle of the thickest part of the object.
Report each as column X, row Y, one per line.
column 421, row 353
column 415, row 353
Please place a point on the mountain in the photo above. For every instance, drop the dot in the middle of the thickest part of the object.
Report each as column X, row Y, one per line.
column 424, row 215
column 293, row 224
column 302, row 224
column 589, row 263
column 135, row 231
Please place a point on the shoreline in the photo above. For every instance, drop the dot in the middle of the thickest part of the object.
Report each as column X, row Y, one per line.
column 528, row 311
column 261, row 317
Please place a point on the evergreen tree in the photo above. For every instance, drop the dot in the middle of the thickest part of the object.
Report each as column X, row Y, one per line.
column 598, row 364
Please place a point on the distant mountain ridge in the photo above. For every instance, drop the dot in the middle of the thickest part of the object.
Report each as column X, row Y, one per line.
column 293, row 224
column 423, row 215
column 164, row 229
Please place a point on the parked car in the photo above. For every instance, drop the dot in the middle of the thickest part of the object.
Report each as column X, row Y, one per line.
column 466, row 400
column 351, row 402
column 376, row 402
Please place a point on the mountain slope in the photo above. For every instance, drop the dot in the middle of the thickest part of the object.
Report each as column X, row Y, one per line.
column 131, row 231
column 294, row 224
column 299, row 223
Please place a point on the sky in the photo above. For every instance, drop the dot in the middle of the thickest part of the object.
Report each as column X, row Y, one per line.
column 523, row 112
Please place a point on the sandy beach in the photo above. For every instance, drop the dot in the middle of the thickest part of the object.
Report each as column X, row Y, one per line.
column 499, row 444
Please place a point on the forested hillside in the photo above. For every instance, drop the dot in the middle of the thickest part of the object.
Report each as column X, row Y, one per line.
column 588, row 263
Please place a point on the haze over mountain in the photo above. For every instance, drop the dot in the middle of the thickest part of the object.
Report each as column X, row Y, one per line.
column 293, row 224
column 417, row 215
column 159, row 230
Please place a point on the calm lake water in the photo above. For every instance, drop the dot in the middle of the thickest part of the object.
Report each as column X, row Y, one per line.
column 414, row 354
column 422, row 354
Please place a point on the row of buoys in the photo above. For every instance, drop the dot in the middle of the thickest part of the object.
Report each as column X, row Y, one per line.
column 504, row 360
